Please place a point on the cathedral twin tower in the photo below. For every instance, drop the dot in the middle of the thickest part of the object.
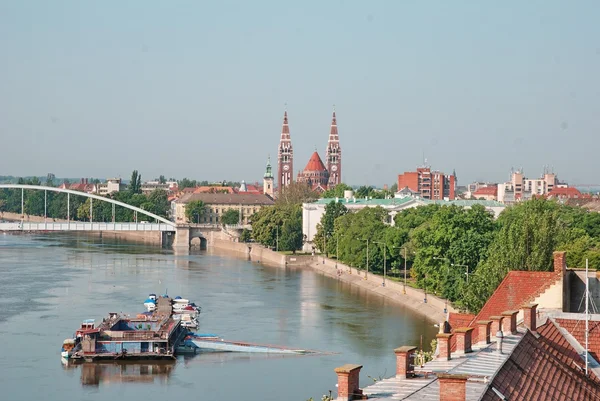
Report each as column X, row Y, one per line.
column 317, row 175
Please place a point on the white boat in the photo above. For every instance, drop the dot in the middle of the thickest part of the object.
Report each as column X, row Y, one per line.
column 67, row 346
column 150, row 304
column 187, row 321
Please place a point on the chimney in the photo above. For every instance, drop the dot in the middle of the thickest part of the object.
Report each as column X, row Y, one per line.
column 348, row 378
column 464, row 339
column 496, row 325
column 560, row 261
column 452, row 387
column 530, row 316
column 510, row 322
column 405, row 361
column 443, row 340
column 483, row 334
column 86, row 181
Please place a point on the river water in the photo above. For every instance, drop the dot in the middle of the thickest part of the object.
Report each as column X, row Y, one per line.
column 50, row 283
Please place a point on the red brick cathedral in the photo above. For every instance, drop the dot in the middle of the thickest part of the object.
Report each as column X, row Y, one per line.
column 317, row 174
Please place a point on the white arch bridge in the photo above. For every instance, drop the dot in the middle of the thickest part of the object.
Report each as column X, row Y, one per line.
column 159, row 224
column 184, row 234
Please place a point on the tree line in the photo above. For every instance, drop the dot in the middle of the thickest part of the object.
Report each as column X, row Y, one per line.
column 457, row 253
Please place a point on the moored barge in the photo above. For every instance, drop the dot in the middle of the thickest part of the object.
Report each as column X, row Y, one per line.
column 152, row 336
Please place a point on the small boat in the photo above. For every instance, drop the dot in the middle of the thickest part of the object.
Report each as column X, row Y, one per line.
column 67, row 346
column 150, row 304
column 187, row 320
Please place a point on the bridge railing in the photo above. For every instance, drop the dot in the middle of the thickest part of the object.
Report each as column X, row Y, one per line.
column 83, row 226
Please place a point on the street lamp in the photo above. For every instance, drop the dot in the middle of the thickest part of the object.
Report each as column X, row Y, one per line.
column 466, row 267
column 403, row 247
column 367, row 271
column 384, row 262
column 337, row 249
column 447, row 272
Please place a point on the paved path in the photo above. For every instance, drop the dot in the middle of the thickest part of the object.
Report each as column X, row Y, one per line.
column 412, row 298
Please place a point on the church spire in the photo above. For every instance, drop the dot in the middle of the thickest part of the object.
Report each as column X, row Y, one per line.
column 334, row 154
column 285, row 156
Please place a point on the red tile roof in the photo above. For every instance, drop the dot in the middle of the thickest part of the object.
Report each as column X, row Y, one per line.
column 577, row 330
column 542, row 369
column 457, row 320
column 517, row 288
column 315, row 163
column 490, row 190
column 569, row 192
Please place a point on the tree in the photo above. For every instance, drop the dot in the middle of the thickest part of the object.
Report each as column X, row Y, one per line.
column 231, row 216
column 246, row 235
column 268, row 222
column 186, row 183
column 291, row 234
column 337, row 192
column 453, row 236
column 162, row 179
column 159, row 199
column 295, row 194
column 135, row 186
column 193, row 210
column 324, row 236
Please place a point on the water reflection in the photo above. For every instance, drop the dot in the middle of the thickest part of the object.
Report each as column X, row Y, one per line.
column 92, row 374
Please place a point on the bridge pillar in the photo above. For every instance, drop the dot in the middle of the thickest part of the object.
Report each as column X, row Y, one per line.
column 182, row 237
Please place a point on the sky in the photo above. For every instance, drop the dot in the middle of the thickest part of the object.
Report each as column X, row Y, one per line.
column 197, row 89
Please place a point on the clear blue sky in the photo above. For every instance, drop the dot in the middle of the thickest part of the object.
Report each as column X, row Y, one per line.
column 197, row 88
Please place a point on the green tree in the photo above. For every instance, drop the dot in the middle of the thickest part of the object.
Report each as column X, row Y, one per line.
column 186, row 183
column 337, row 191
column 246, row 235
column 528, row 235
column 162, row 179
column 193, row 210
column 325, row 229
column 291, row 234
column 135, row 186
column 295, row 194
column 453, row 236
column 267, row 224
column 159, row 199
column 231, row 216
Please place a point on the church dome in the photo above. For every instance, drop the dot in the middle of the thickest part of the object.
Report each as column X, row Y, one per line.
column 315, row 164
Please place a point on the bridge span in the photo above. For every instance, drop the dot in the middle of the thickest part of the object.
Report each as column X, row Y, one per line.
column 184, row 234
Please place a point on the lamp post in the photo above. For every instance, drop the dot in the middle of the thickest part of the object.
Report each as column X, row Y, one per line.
column 367, row 271
column 277, row 239
column 337, row 249
column 466, row 267
column 384, row 262
column 447, row 272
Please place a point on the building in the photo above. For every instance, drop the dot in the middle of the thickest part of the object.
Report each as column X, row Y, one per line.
column 432, row 185
column 150, row 186
column 566, row 193
column 317, row 174
column 486, row 193
column 216, row 204
column 522, row 188
column 111, row 185
column 314, row 211
column 82, row 186
column 527, row 343
column 268, row 188
column 285, row 156
column 333, row 155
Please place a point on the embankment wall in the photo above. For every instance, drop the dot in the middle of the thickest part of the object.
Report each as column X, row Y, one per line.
column 428, row 305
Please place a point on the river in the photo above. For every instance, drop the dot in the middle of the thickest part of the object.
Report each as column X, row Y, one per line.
column 50, row 283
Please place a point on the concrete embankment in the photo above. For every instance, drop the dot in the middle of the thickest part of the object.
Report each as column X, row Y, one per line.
column 432, row 308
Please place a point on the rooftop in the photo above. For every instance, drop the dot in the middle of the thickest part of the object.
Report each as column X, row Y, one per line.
column 227, row 199
column 400, row 201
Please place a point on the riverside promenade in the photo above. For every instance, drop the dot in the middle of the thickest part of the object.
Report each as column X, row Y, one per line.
column 413, row 298
column 432, row 308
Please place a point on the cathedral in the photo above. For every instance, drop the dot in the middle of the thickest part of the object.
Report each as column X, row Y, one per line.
column 318, row 175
